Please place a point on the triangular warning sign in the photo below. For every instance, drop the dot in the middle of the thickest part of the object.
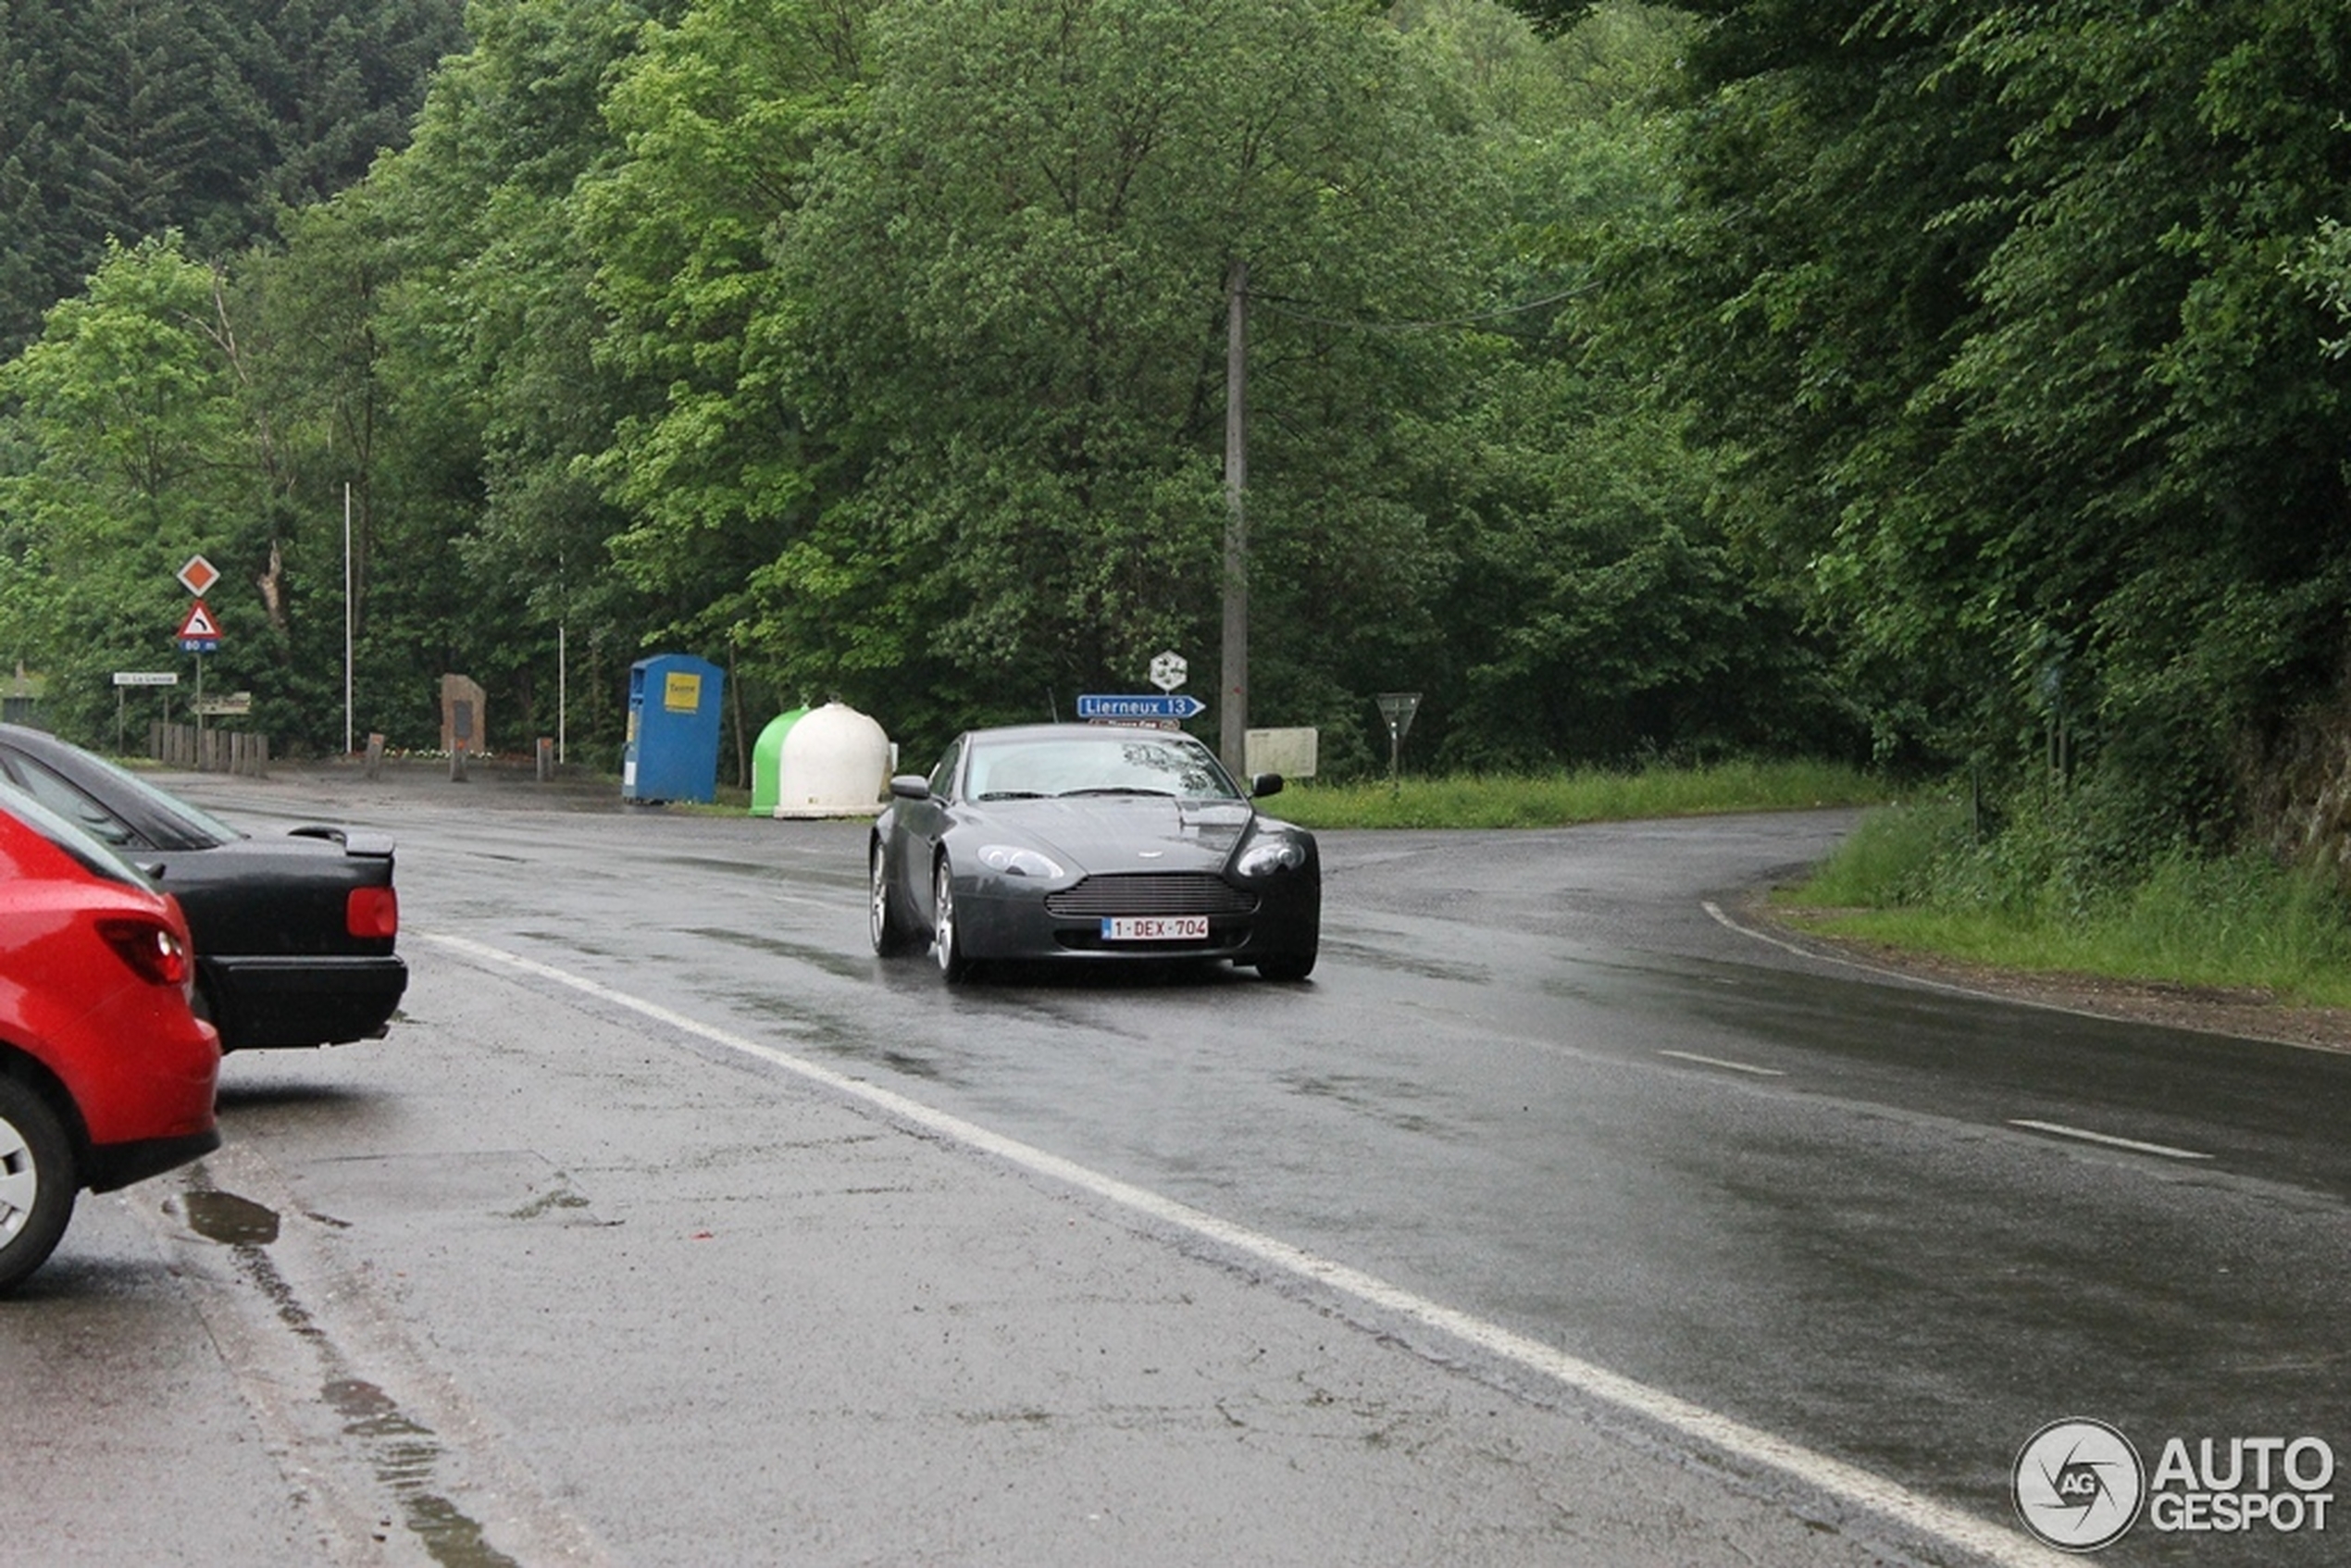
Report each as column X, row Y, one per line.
column 199, row 622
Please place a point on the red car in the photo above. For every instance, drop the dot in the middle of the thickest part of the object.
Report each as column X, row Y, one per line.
column 107, row 1075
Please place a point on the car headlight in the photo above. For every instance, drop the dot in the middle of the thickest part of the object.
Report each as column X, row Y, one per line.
column 1013, row 861
column 1268, row 855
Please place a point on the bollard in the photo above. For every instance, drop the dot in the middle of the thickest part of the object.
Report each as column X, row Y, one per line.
column 457, row 763
column 375, row 755
column 546, row 759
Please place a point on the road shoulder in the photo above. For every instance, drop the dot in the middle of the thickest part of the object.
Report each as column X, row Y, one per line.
column 2237, row 1015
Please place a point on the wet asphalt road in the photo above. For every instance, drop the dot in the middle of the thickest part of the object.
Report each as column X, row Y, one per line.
column 1540, row 1080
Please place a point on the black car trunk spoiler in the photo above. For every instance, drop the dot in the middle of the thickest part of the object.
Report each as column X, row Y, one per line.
column 361, row 843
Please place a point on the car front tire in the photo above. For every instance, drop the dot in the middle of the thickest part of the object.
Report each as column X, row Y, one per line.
column 946, row 936
column 893, row 933
column 1288, row 966
column 37, row 1182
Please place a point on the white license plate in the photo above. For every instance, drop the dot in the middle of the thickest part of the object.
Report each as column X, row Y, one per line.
column 1155, row 929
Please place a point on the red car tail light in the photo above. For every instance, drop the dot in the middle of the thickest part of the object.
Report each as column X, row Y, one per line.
column 372, row 912
column 154, row 952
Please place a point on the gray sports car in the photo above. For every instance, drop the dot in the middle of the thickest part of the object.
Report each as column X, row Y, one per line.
column 1091, row 843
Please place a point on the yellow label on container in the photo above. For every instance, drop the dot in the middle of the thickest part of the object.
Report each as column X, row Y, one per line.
column 681, row 693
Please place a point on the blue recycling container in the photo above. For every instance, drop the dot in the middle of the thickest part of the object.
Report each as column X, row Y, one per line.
column 672, row 754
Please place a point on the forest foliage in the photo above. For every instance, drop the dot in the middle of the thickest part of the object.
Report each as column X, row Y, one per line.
column 1940, row 383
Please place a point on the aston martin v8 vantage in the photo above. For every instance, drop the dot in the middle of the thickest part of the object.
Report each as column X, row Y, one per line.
column 1092, row 844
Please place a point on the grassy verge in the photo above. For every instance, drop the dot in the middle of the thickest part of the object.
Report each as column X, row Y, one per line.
column 1562, row 799
column 1912, row 876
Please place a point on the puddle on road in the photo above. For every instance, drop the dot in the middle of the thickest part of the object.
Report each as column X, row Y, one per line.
column 847, row 967
column 405, row 1454
column 228, row 1219
column 400, row 1452
column 1380, row 1099
column 1389, row 958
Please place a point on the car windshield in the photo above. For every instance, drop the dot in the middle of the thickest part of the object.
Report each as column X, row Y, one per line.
column 100, row 859
column 1108, row 763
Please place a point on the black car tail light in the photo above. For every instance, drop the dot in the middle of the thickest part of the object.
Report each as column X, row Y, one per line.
column 154, row 952
column 372, row 912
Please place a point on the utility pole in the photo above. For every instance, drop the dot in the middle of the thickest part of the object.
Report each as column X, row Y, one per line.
column 349, row 620
column 1234, row 718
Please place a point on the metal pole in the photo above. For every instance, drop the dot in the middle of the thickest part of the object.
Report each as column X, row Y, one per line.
column 562, row 656
column 1234, row 720
column 346, row 617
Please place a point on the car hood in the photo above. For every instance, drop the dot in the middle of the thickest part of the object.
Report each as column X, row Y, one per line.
column 1109, row 833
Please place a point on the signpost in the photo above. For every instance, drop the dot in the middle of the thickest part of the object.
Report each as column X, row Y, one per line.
column 199, row 633
column 1397, row 708
column 123, row 680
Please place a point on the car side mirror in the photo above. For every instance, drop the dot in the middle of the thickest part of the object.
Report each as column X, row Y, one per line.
column 910, row 786
column 1264, row 784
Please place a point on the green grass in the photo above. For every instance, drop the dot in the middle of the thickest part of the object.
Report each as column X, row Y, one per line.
column 1587, row 795
column 1914, row 878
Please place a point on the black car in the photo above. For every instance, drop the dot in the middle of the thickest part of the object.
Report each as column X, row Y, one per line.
column 293, row 935
column 1091, row 843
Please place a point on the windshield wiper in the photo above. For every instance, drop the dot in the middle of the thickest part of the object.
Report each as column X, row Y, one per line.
column 1115, row 789
column 1012, row 796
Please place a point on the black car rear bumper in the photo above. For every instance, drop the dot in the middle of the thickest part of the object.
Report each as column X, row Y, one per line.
column 112, row 1165
column 264, row 1002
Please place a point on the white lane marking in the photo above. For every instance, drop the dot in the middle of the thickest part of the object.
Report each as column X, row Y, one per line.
column 1801, row 951
column 1882, row 972
column 1848, row 1483
column 2056, row 1128
column 1727, row 1066
column 2059, row 1129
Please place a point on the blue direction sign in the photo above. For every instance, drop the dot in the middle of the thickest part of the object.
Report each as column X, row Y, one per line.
column 1155, row 705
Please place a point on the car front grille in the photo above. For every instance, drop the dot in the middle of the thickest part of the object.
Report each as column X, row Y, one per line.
column 1153, row 892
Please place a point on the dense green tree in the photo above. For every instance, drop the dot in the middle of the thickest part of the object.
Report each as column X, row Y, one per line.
column 2146, row 405
column 121, row 119
column 1017, row 275
column 877, row 348
column 1988, row 305
column 343, row 83
column 1596, row 607
column 717, row 116
column 128, row 451
column 485, row 332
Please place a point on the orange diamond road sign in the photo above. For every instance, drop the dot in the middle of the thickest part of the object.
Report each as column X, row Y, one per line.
column 197, row 576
